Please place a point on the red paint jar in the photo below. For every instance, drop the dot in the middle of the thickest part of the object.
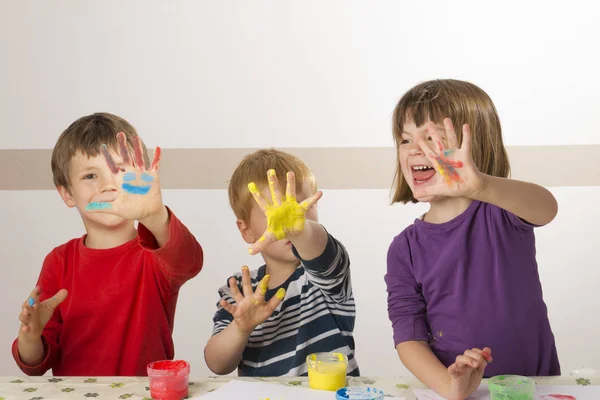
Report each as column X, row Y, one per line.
column 169, row 379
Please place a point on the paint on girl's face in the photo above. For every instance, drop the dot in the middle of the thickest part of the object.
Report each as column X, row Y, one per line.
column 31, row 301
column 97, row 206
column 558, row 396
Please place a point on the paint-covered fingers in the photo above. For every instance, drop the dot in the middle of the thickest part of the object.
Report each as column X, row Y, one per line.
column 450, row 134
column 55, row 300
column 486, row 353
column 246, row 282
column 110, row 161
column 138, row 150
column 274, row 187
column 290, row 189
column 311, row 201
column 261, row 290
column 235, row 291
column 124, row 150
column 258, row 196
column 275, row 300
column 34, row 297
column 156, row 161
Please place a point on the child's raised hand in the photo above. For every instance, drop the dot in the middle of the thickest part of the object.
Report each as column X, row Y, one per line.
column 140, row 196
column 461, row 178
column 35, row 315
column 467, row 372
column 251, row 309
column 285, row 217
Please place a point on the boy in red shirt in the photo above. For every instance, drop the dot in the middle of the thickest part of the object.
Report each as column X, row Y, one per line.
column 104, row 304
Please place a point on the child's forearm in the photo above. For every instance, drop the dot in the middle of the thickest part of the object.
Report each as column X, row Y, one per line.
column 223, row 351
column 528, row 201
column 422, row 363
column 31, row 352
column 311, row 242
column 158, row 225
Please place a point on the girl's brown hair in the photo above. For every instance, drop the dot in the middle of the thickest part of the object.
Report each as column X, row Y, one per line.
column 463, row 103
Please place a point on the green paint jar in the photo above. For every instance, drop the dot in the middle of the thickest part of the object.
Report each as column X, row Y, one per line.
column 511, row 387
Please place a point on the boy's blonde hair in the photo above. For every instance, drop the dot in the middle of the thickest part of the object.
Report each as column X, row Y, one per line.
column 463, row 103
column 86, row 135
column 254, row 167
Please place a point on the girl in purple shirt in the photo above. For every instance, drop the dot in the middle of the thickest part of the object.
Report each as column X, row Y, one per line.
column 462, row 280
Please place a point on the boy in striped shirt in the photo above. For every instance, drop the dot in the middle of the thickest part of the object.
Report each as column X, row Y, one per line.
column 300, row 301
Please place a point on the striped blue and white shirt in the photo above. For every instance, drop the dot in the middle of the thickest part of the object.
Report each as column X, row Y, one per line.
column 316, row 315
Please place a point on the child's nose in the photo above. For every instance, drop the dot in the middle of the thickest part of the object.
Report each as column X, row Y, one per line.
column 415, row 150
column 109, row 184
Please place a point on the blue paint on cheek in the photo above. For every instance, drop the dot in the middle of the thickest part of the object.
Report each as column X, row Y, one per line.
column 31, row 302
column 97, row 206
column 129, row 176
column 147, row 177
column 133, row 189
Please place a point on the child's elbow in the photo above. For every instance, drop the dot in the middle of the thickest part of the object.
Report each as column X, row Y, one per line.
column 551, row 210
column 214, row 363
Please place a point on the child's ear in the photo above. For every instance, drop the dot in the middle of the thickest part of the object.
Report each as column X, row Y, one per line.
column 245, row 231
column 66, row 196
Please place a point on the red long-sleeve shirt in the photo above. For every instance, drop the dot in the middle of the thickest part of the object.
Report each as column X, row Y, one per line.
column 119, row 313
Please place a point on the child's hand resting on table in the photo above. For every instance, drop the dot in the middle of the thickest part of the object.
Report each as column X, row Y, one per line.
column 467, row 372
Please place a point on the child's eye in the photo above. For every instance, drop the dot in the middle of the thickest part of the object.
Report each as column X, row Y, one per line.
column 89, row 176
column 405, row 141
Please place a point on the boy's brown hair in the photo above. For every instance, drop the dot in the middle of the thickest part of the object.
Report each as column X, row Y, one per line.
column 86, row 135
column 254, row 167
column 463, row 103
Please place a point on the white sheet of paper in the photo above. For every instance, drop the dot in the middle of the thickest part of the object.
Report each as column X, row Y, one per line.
column 481, row 393
column 542, row 392
column 235, row 390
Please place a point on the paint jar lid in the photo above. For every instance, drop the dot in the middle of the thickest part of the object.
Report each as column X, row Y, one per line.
column 359, row 393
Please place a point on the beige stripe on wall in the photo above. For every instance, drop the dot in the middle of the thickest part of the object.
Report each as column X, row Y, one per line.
column 334, row 167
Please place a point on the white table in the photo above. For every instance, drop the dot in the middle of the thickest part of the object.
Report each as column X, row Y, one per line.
column 65, row 388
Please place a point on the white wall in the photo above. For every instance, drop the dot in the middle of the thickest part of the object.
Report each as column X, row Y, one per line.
column 313, row 73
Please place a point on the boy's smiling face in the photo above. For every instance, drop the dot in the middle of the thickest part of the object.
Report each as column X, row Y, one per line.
column 91, row 180
column 281, row 250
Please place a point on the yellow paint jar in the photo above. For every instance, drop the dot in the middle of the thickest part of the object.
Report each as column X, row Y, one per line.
column 327, row 371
